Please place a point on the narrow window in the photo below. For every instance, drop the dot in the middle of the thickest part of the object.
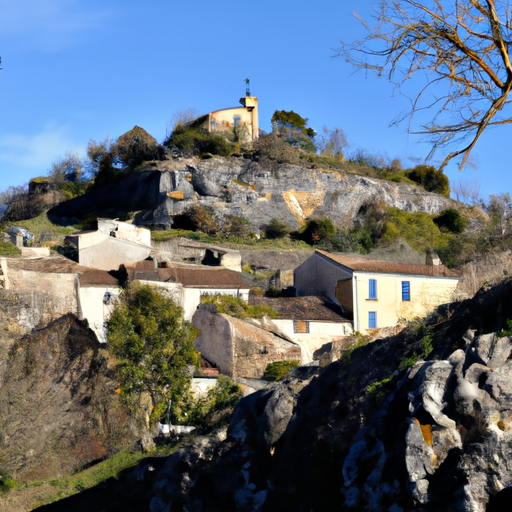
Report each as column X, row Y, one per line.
column 372, row 291
column 372, row 320
column 406, row 290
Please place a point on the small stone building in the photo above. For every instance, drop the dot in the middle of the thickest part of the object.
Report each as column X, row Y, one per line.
column 312, row 321
column 113, row 244
column 238, row 348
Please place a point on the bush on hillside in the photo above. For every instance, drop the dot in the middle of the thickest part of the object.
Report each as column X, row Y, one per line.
column 196, row 218
column 279, row 369
column 194, row 142
column 237, row 227
column 215, row 409
column 430, row 179
column 137, row 146
column 318, row 230
column 276, row 229
column 451, row 220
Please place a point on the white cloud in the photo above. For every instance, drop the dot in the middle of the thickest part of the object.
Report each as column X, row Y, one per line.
column 36, row 152
column 49, row 25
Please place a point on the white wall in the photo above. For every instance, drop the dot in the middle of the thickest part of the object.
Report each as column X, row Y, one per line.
column 319, row 334
column 426, row 293
column 93, row 308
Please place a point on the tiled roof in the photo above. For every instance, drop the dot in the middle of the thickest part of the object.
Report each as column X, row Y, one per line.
column 366, row 264
column 193, row 277
column 54, row 264
column 302, row 308
column 98, row 278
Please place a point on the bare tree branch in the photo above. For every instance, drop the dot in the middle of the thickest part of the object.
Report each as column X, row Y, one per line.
column 460, row 46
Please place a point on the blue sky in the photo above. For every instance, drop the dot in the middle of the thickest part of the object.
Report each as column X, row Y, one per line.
column 75, row 70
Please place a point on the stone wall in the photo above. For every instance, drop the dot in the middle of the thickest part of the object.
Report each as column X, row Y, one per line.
column 238, row 348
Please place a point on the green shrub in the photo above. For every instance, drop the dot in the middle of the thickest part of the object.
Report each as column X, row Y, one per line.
column 215, row 409
column 238, row 227
column 196, row 142
column 451, row 220
column 8, row 249
column 276, row 229
column 6, row 482
column 237, row 307
column 430, row 179
column 279, row 369
column 318, row 230
column 196, row 218
column 417, row 229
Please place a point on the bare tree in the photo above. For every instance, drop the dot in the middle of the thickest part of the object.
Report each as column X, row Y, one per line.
column 460, row 47
column 66, row 168
column 183, row 117
column 332, row 142
column 467, row 191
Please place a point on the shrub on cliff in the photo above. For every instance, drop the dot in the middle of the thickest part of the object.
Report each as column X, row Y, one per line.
column 451, row 220
column 192, row 142
column 430, row 179
column 276, row 229
column 215, row 409
column 153, row 346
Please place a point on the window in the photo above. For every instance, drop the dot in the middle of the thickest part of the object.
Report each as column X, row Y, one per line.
column 406, row 290
column 372, row 320
column 372, row 289
column 301, row 326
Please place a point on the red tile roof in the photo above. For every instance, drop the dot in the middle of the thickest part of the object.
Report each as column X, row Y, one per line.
column 366, row 264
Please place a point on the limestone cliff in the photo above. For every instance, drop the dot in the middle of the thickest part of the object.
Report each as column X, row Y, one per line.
column 240, row 187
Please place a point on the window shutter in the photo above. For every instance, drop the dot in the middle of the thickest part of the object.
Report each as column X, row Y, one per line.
column 373, row 289
column 406, row 290
column 372, row 320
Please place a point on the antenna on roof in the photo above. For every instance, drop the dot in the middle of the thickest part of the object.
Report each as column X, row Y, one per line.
column 247, row 89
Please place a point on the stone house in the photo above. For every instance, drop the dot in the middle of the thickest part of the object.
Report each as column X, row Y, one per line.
column 238, row 348
column 56, row 286
column 113, row 244
column 376, row 293
column 186, row 284
column 311, row 321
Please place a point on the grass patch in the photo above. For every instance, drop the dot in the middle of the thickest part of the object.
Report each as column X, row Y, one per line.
column 279, row 369
column 237, row 307
column 42, row 225
column 8, row 249
column 236, row 242
column 56, row 489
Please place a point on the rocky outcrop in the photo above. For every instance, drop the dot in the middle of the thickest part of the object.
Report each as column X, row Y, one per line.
column 240, row 187
column 362, row 434
column 60, row 411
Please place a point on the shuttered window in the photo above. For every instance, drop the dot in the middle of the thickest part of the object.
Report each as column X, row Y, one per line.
column 372, row 289
column 372, row 320
column 301, row 326
column 406, row 290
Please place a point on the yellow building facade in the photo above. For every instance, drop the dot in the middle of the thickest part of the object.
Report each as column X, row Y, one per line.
column 376, row 294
